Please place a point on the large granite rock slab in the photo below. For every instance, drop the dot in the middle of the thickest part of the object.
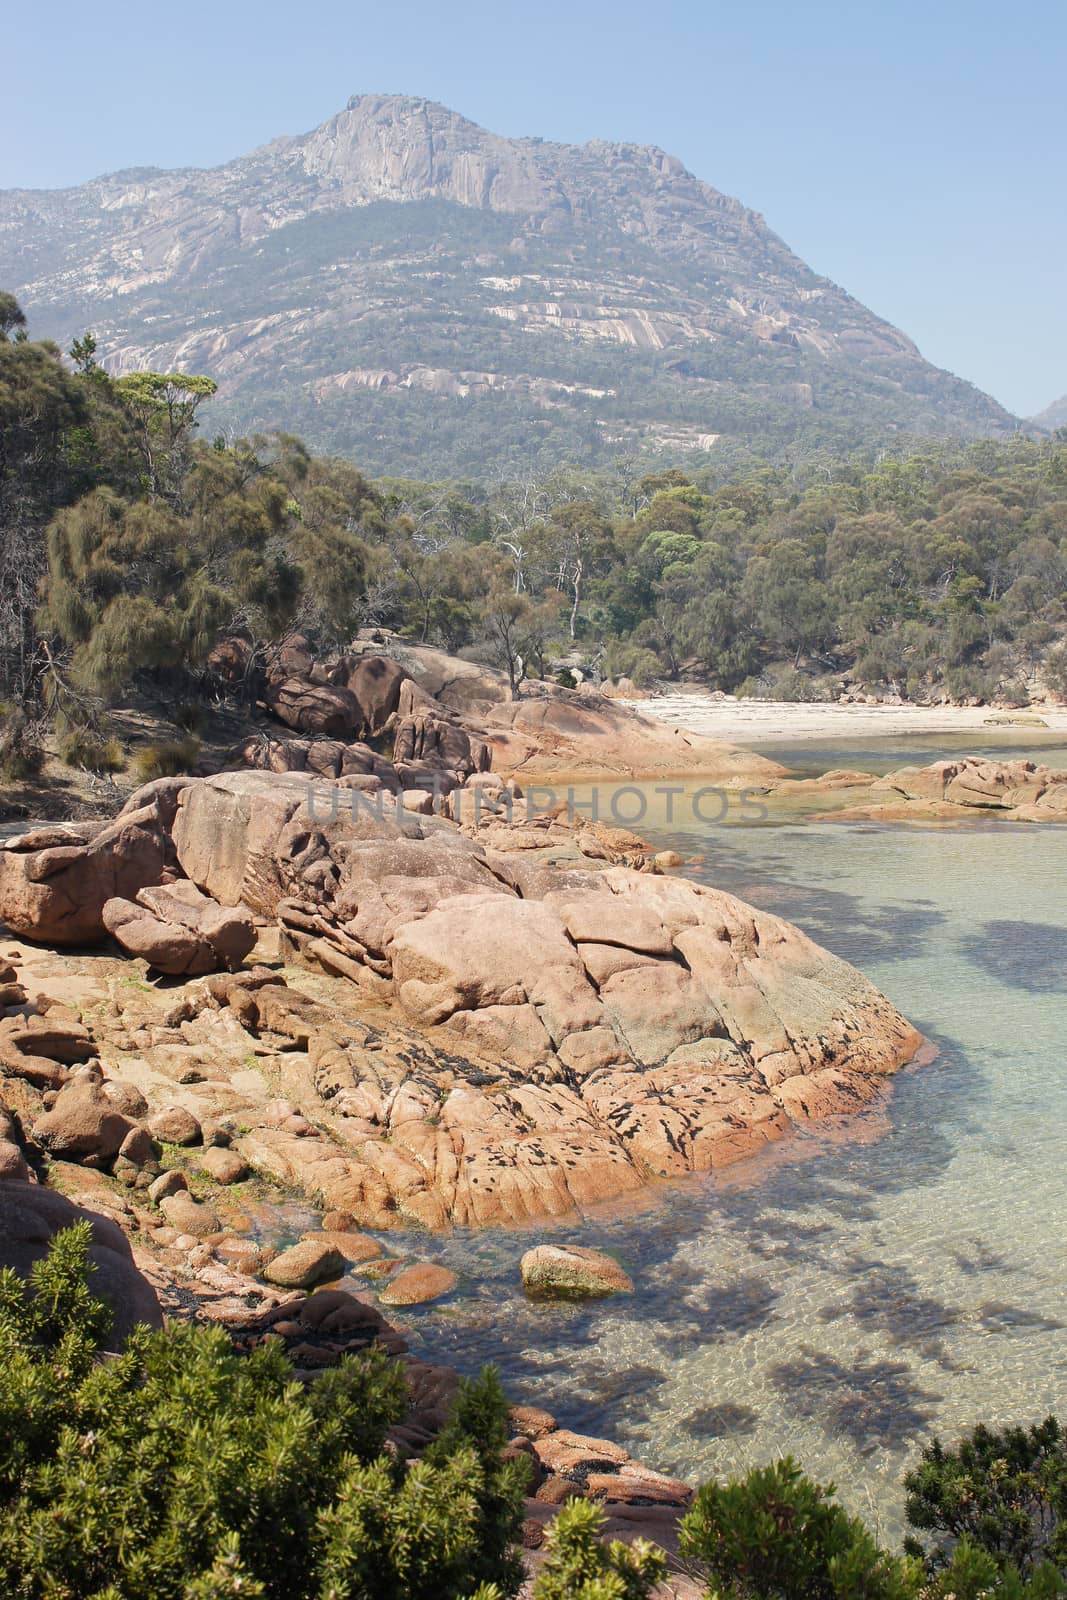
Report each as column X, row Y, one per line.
column 55, row 881
column 509, row 1055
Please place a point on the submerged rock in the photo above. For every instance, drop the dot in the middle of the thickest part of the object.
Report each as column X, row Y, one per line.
column 417, row 1284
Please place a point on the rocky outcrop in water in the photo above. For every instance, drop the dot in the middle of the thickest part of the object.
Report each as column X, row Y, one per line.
column 450, row 719
column 515, row 1033
column 967, row 787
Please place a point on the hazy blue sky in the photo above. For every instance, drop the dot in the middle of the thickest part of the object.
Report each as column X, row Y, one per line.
column 916, row 153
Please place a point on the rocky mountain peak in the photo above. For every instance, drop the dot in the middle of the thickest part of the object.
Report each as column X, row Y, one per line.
column 400, row 284
column 394, row 147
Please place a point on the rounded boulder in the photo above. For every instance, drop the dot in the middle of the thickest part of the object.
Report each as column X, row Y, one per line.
column 570, row 1272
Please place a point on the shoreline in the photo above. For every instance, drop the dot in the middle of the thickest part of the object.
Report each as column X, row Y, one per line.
column 759, row 723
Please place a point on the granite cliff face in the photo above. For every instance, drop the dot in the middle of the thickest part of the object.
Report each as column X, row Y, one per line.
column 411, row 289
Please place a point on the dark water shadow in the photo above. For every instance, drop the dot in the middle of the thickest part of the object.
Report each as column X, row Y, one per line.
column 873, row 1402
column 1022, row 955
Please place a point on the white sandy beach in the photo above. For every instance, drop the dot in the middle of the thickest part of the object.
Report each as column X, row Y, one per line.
column 760, row 722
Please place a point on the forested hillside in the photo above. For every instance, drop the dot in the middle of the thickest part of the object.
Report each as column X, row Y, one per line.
column 132, row 543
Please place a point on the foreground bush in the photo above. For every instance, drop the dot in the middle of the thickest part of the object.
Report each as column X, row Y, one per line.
column 1005, row 1493
column 778, row 1535
column 177, row 1470
column 581, row 1567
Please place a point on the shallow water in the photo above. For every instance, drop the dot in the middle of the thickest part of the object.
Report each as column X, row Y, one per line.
column 810, row 758
column 845, row 1305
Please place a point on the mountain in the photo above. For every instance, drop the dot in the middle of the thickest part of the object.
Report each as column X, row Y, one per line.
column 1053, row 416
column 406, row 288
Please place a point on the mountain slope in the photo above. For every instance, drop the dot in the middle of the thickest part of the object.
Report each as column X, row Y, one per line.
column 1053, row 416
column 407, row 288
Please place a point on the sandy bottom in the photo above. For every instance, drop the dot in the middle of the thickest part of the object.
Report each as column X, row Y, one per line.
column 749, row 722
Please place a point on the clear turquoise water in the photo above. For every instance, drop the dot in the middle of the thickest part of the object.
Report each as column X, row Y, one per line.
column 845, row 1305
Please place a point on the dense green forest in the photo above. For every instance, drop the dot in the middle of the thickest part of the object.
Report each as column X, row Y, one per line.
column 131, row 541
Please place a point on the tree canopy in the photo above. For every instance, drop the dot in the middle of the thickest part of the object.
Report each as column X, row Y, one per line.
column 131, row 545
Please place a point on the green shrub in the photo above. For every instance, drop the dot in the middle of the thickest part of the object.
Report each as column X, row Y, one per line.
column 1004, row 1492
column 997, row 1502
column 168, row 759
column 1013, row 694
column 1055, row 670
column 94, row 752
column 789, row 683
column 973, row 1574
column 178, row 1470
column 623, row 660
column 581, row 1567
column 971, row 683
column 777, row 1535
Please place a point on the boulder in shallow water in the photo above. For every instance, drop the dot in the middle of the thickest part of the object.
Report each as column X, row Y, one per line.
column 354, row 1246
column 571, row 1272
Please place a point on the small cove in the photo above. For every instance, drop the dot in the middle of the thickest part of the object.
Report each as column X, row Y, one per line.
column 844, row 1297
column 847, row 1297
